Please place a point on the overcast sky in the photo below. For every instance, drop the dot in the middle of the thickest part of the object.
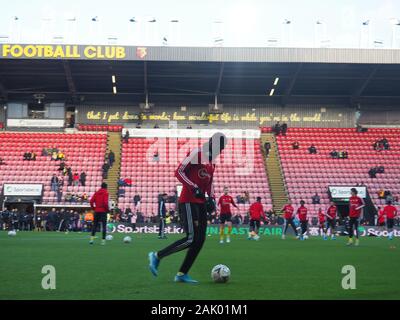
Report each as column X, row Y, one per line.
column 242, row 23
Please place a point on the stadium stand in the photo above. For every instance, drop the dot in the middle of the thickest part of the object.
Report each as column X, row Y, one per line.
column 151, row 178
column 83, row 152
column 305, row 174
column 90, row 127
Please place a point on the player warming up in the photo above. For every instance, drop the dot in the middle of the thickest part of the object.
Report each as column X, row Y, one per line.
column 225, row 216
column 356, row 204
column 331, row 219
column 196, row 175
column 256, row 212
column 390, row 212
column 288, row 215
column 302, row 214
column 321, row 220
column 99, row 203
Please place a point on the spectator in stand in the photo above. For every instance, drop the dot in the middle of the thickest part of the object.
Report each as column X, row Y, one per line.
column 54, row 183
column 334, row 154
column 70, row 178
column 126, row 136
column 189, row 127
column 121, row 182
column 312, row 149
column 105, row 169
column 316, row 199
column 156, row 156
column 267, row 147
column 121, row 192
column 246, row 197
column 128, row 182
column 61, row 167
column 75, row 179
column 372, row 173
column 385, row 144
column 136, row 201
column 277, row 128
column 295, row 145
column 54, row 156
column 111, row 158
column 239, row 199
column 60, row 156
column 83, row 179
column 44, row 153
column 59, row 193
column 284, row 128
column 381, row 194
column 156, row 126
column 2, row 161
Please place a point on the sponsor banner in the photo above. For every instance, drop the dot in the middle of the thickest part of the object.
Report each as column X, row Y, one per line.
column 20, row 190
column 233, row 115
column 80, row 52
column 265, row 231
column 191, row 133
column 37, row 123
column 343, row 192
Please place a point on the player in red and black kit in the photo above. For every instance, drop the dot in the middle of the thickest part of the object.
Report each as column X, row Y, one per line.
column 196, row 175
column 288, row 211
column 381, row 217
column 100, row 204
column 225, row 216
column 331, row 219
column 390, row 212
column 322, row 220
column 302, row 213
column 356, row 204
column 256, row 212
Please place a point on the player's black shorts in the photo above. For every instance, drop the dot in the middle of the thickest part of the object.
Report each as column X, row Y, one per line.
column 389, row 223
column 209, row 217
column 225, row 217
column 331, row 223
column 254, row 224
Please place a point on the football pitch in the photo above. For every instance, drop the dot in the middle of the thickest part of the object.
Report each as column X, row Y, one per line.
column 268, row 269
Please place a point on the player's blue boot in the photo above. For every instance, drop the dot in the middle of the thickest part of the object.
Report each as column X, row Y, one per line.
column 333, row 238
column 390, row 237
column 185, row 278
column 153, row 263
column 301, row 237
column 324, row 237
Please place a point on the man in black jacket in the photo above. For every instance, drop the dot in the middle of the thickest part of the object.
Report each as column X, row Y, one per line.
column 162, row 212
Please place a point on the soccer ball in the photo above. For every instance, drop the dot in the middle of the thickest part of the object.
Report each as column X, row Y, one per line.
column 127, row 239
column 109, row 237
column 220, row 273
column 12, row 233
column 305, row 237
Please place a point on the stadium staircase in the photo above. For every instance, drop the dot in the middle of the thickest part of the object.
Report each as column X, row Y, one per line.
column 274, row 172
column 114, row 143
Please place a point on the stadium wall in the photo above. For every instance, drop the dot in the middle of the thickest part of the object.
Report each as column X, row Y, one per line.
column 247, row 116
column 380, row 115
column 2, row 114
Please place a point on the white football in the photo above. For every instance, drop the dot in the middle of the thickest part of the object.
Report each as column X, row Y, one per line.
column 12, row 233
column 109, row 237
column 127, row 239
column 305, row 237
column 220, row 273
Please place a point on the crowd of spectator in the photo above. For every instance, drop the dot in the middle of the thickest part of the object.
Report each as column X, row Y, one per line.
column 29, row 156
column 375, row 170
column 339, row 154
column 279, row 128
column 381, row 145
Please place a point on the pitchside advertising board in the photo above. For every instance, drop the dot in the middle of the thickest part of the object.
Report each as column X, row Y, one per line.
column 344, row 192
column 265, row 231
column 22, row 190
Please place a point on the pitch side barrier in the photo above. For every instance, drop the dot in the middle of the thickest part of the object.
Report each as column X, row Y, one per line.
column 243, row 230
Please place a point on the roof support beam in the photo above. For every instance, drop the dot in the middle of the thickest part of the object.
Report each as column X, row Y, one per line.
column 290, row 87
column 221, row 72
column 70, row 80
column 145, row 78
column 359, row 91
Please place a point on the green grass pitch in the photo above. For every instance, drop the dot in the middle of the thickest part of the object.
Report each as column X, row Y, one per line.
column 268, row 269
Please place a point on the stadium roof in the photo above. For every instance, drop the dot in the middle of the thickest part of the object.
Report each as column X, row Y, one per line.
column 197, row 74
